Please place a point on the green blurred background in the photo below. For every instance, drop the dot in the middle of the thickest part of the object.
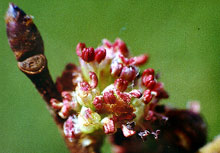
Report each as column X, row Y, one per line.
column 181, row 36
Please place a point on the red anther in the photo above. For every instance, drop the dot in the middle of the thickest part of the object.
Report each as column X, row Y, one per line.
column 88, row 54
column 109, row 97
column 128, row 73
column 147, row 97
column 109, row 127
column 148, row 71
column 159, row 89
column 88, row 113
column 100, row 54
column 66, row 95
column 55, row 104
column 135, row 93
column 120, row 46
column 64, row 112
column 126, row 131
column 84, row 86
column 94, row 79
column 151, row 84
column 124, row 96
column 148, row 81
column 106, row 43
column 98, row 102
column 116, row 69
column 139, row 60
column 121, row 84
column 79, row 48
column 69, row 129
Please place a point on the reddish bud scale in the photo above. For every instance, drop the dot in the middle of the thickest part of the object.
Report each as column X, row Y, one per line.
column 121, row 84
column 94, row 79
column 148, row 71
column 128, row 73
column 100, row 54
column 88, row 54
column 109, row 97
column 79, row 48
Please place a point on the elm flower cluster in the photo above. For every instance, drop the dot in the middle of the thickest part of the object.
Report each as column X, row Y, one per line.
column 107, row 92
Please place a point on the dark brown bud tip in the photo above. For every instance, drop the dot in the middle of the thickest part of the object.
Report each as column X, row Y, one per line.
column 23, row 36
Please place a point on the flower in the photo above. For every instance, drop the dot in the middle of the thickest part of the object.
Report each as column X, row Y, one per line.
column 107, row 91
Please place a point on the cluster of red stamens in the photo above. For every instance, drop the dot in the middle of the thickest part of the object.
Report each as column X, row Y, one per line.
column 110, row 93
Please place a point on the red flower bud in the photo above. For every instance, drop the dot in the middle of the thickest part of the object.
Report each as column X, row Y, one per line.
column 128, row 73
column 109, row 97
column 79, row 48
column 121, row 84
column 88, row 54
column 100, row 54
column 94, row 79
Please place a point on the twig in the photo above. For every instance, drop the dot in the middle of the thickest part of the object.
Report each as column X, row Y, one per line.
column 27, row 45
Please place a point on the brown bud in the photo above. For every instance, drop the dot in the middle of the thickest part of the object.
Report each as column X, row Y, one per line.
column 23, row 36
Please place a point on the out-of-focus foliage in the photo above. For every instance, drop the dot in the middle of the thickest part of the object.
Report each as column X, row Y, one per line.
column 181, row 37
